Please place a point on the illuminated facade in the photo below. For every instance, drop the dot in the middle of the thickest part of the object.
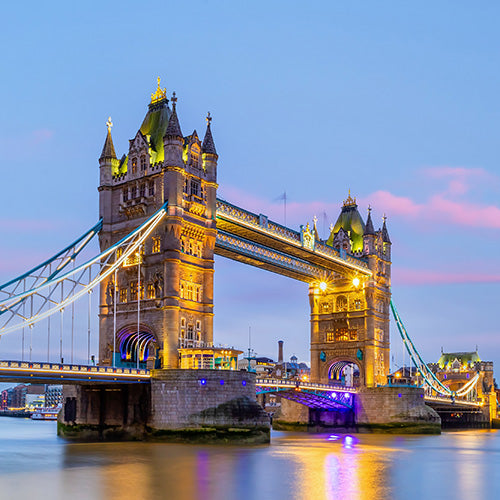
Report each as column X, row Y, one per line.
column 349, row 312
column 172, row 277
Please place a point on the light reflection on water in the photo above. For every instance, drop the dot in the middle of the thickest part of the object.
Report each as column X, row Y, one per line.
column 462, row 465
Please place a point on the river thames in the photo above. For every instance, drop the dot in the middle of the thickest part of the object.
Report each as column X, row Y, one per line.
column 457, row 465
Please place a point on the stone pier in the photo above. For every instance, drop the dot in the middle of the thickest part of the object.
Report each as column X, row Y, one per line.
column 178, row 405
column 377, row 409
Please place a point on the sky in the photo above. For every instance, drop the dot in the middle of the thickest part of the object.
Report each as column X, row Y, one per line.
column 396, row 101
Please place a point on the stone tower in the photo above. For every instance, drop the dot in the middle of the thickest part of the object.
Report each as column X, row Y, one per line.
column 350, row 313
column 176, row 262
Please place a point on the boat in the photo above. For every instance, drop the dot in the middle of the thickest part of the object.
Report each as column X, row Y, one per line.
column 46, row 413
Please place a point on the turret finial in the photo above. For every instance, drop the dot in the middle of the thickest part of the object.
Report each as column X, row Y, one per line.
column 174, row 99
column 350, row 202
column 384, row 218
column 109, row 124
column 369, row 209
column 208, row 118
column 159, row 94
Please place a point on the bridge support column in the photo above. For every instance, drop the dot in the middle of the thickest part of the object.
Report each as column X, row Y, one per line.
column 178, row 405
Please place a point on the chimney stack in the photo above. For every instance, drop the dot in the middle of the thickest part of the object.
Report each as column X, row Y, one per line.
column 280, row 352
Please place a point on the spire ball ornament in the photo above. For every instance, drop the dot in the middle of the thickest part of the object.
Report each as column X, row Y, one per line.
column 109, row 124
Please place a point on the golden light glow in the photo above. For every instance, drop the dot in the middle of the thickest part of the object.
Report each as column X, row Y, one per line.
column 355, row 282
column 159, row 94
column 323, row 286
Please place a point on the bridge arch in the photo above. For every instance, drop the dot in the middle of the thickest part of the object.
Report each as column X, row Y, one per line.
column 129, row 344
column 344, row 370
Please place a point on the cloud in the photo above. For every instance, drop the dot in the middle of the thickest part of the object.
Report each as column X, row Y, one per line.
column 460, row 179
column 405, row 276
column 31, row 225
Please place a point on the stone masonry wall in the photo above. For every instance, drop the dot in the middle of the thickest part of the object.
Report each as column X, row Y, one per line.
column 190, row 399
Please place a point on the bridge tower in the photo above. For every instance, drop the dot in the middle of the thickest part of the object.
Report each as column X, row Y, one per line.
column 172, row 276
column 350, row 313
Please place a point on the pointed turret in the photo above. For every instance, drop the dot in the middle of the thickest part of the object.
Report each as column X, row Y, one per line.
column 108, row 150
column 209, row 153
column 369, row 223
column 172, row 139
column 208, row 145
column 173, row 127
column 385, row 233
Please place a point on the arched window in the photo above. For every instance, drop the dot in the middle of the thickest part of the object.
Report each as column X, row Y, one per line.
column 341, row 303
column 143, row 162
column 134, row 165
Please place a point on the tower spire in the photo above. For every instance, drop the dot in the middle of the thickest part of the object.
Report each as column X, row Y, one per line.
column 208, row 145
column 385, row 233
column 173, row 127
column 108, row 150
column 369, row 223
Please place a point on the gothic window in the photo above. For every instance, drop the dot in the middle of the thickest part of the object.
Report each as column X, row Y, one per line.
column 125, row 194
column 357, row 304
column 134, row 165
column 325, row 307
column 133, row 192
column 341, row 303
column 183, row 245
column 195, row 187
column 143, row 162
column 185, row 185
column 133, row 291
column 183, row 322
column 156, row 245
column 198, row 325
column 190, row 292
column 123, row 295
column 182, row 291
column 330, row 336
column 142, row 191
column 195, row 155
column 190, row 332
column 198, row 293
column 151, row 188
column 151, row 291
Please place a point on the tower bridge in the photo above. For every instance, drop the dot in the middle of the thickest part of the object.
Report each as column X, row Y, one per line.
column 160, row 226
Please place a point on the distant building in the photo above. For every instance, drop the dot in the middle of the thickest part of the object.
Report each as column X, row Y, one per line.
column 53, row 395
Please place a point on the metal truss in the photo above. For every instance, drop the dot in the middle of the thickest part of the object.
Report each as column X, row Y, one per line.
column 432, row 383
column 59, row 290
column 50, row 268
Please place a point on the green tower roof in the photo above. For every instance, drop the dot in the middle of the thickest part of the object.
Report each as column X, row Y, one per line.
column 351, row 222
column 465, row 358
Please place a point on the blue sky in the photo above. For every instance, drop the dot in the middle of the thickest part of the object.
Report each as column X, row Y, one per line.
column 396, row 101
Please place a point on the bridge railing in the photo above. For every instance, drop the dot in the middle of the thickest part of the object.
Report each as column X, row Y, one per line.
column 30, row 366
column 303, row 385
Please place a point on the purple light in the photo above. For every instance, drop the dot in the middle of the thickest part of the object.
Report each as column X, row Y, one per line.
column 222, row 382
column 348, row 442
column 333, row 437
column 203, row 381
column 347, row 397
column 243, row 383
column 333, row 395
column 399, row 395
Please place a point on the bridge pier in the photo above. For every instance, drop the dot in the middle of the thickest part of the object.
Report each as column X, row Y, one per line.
column 377, row 409
column 178, row 405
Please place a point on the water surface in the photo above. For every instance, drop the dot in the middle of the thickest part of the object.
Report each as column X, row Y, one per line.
column 34, row 463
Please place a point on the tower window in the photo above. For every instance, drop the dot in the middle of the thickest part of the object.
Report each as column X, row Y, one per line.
column 142, row 190
column 198, row 325
column 341, row 304
column 123, row 295
column 151, row 188
column 195, row 156
column 156, row 244
column 195, row 187
column 151, row 291
column 125, row 194
column 133, row 192
column 134, row 165
column 143, row 162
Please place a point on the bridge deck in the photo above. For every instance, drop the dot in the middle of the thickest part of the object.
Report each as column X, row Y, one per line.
column 58, row 373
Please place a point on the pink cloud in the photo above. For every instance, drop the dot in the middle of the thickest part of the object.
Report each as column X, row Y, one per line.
column 392, row 204
column 460, row 179
column 402, row 276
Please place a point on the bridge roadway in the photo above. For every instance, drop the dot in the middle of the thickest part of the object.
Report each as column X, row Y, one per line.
column 321, row 396
column 255, row 240
column 58, row 373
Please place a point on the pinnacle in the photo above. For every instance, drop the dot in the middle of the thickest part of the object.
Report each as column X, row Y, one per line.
column 385, row 233
column 208, row 145
column 108, row 150
column 369, row 224
column 173, row 127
